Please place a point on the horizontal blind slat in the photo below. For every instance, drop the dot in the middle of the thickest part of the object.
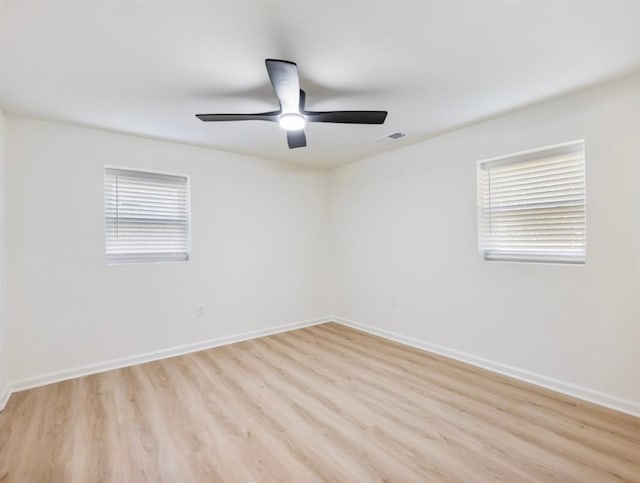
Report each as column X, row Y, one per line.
column 509, row 164
column 557, row 173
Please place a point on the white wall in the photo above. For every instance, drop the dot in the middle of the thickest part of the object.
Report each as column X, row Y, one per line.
column 4, row 375
column 259, row 256
column 404, row 224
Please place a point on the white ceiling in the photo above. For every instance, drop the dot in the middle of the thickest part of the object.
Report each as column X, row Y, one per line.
column 147, row 66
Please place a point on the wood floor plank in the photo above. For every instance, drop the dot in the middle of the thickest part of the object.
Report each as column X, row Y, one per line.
column 324, row 403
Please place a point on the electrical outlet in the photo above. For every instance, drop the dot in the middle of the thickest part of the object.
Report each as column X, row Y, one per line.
column 394, row 301
column 201, row 311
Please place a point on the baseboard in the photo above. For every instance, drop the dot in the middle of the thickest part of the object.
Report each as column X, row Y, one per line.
column 595, row 397
column 89, row 369
column 5, row 394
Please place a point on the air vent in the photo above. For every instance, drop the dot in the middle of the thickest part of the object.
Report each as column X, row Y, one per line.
column 396, row 135
column 387, row 138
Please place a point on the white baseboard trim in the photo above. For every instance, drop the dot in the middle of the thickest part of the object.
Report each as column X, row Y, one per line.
column 89, row 369
column 595, row 397
column 5, row 394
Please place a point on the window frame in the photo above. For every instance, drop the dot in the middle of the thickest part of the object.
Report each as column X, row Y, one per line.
column 578, row 145
column 141, row 260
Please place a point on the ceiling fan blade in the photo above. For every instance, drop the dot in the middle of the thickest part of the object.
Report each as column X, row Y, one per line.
column 296, row 139
column 261, row 116
column 284, row 78
column 347, row 117
column 303, row 100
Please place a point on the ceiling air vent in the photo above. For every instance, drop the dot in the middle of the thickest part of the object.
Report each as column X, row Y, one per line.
column 396, row 135
column 387, row 138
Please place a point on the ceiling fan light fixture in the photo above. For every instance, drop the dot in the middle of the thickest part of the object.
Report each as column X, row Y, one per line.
column 292, row 115
column 292, row 122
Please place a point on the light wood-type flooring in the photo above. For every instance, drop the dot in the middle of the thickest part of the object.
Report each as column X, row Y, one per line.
column 324, row 403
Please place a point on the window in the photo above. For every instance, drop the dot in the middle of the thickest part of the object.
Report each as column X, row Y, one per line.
column 146, row 216
column 531, row 206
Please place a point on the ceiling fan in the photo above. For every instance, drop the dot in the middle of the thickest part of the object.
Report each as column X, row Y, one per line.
column 292, row 115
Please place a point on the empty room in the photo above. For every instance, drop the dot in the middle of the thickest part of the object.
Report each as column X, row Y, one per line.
column 313, row 241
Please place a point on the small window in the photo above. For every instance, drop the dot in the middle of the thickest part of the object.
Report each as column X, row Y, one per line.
column 531, row 206
column 146, row 216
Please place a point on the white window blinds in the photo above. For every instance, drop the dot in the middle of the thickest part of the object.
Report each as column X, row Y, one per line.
column 531, row 206
column 146, row 216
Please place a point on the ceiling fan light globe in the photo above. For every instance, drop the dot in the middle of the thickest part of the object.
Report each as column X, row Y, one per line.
column 292, row 122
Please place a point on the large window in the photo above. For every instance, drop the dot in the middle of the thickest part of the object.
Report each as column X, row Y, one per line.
column 531, row 206
column 146, row 216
